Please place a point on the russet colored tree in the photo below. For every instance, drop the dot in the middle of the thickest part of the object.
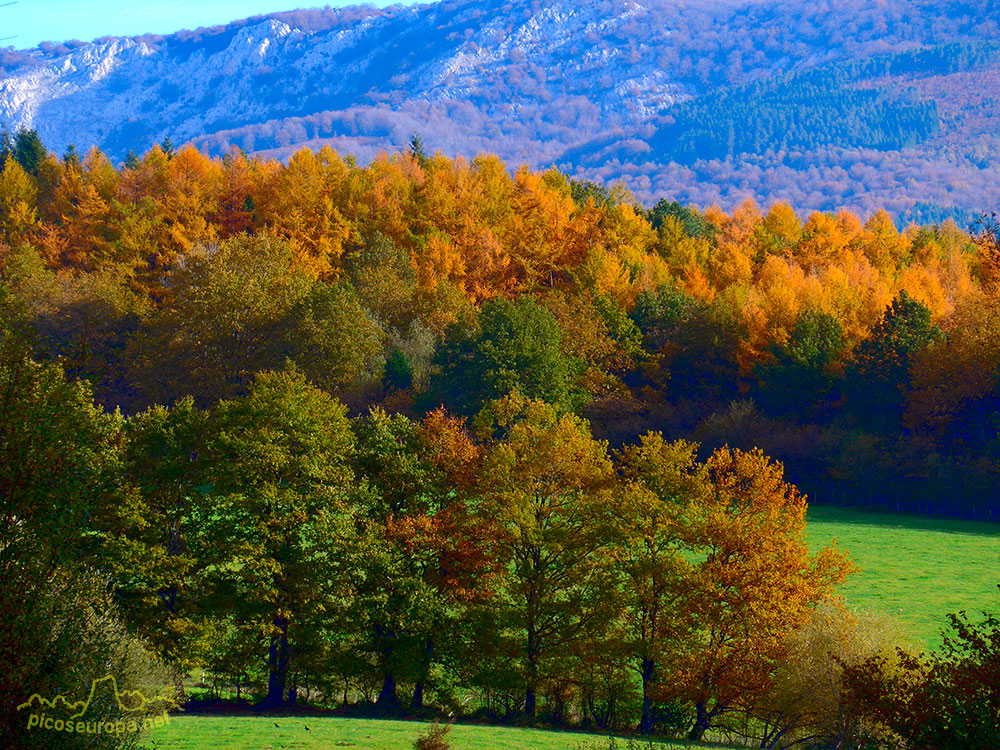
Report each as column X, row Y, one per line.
column 752, row 581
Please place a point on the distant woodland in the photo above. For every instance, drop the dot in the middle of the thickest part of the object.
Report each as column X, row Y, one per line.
column 823, row 105
column 865, row 358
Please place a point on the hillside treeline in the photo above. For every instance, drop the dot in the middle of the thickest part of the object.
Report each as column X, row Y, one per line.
column 863, row 357
column 511, row 567
column 848, row 104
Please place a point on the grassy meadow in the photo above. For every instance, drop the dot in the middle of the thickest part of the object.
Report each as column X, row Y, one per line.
column 915, row 569
column 325, row 733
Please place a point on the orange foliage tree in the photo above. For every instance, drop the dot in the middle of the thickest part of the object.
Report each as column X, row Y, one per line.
column 751, row 582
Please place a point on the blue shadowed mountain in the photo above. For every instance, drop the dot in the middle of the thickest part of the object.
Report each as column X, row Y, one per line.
column 822, row 103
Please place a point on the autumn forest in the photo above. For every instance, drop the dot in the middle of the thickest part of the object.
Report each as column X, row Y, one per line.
column 438, row 435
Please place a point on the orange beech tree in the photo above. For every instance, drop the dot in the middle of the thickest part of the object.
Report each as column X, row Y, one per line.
column 751, row 582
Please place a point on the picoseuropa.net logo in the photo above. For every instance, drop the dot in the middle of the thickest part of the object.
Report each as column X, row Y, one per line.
column 60, row 715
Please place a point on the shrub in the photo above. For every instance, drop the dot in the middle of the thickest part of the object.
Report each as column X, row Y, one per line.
column 435, row 738
column 948, row 701
column 70, row 638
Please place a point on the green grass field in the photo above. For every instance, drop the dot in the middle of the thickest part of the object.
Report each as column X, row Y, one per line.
column 913, row 568
column 325, row 733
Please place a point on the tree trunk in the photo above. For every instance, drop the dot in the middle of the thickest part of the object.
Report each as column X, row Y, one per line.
column 417, row 704
column 529, row 702
column 648, row 677
column 388, row 700
column 700, row 723
column 277, row 664
column 530, row 697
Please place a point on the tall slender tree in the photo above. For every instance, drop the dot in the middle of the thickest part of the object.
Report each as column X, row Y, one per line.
column 544, row 484
column 279, row 515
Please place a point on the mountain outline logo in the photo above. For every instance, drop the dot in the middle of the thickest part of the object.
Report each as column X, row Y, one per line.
column 136, row 710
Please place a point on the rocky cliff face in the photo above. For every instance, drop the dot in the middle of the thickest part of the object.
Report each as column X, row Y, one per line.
column 503, row 61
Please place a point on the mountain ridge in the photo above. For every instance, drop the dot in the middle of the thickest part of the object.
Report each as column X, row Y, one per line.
column 592, row 89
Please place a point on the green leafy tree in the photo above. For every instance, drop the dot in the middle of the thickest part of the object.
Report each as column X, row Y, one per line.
column 29, row 151
column 383, row 276
column 243, row 307
column 6, row 147
column 658, row 315
column 398, row 372
column 59, row 451
column 878, row 375
column 224, row 320
column 621, row 329
column 59, row 465
column 421, row 559
column 417, row 150
column 331, row 338
column 703, row 365
column 71, row 157
column 693, row 224
column 516, row 348
column 67, row 634
column 662, row 481
column 154, row 544
column 395, row 607
column 279, row 515
column 583, row 191
column 801, row 374
column 545, row 480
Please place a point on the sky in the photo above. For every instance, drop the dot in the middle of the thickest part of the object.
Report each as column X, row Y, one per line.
column 34, row 21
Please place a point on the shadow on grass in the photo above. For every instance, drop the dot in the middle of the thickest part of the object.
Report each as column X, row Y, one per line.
column 891, row 520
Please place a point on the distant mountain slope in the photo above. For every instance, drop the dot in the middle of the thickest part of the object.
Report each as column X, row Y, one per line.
column 824, row 103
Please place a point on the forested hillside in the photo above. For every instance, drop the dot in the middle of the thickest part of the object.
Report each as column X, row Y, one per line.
column 431, row 436
column 863, row 357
